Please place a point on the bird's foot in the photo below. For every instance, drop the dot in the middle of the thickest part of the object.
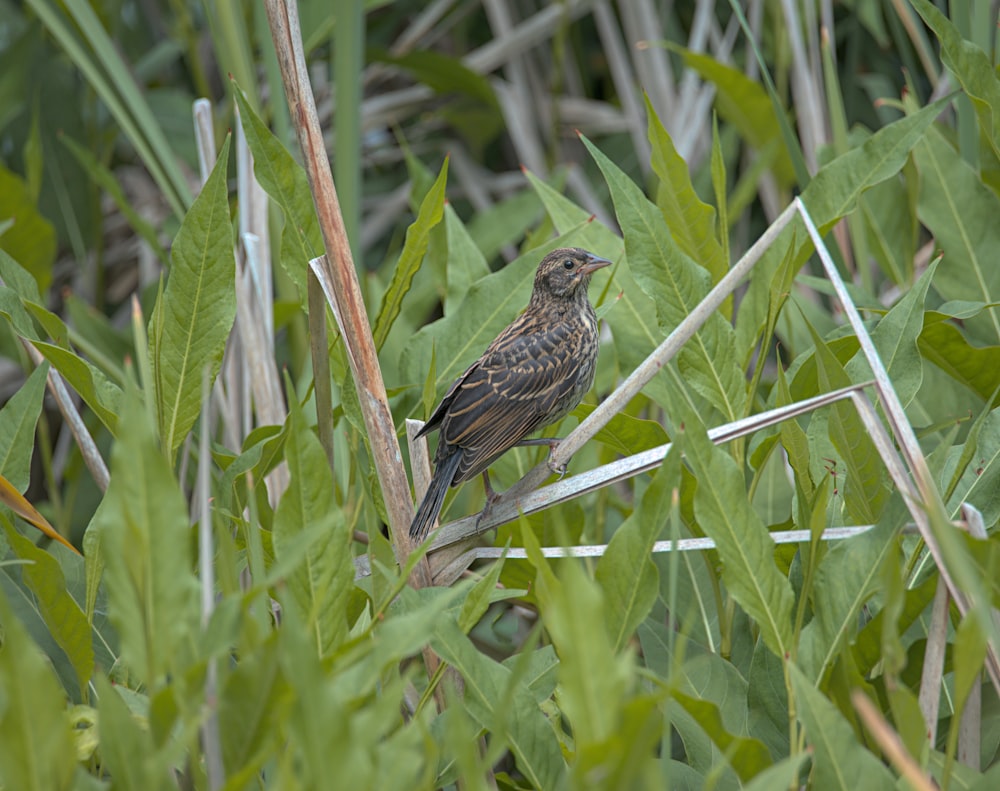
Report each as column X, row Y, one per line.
column 491, row 497
column 558, row 469
column 551, row 443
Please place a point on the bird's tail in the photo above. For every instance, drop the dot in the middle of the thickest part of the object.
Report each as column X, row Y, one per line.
column 430, row 506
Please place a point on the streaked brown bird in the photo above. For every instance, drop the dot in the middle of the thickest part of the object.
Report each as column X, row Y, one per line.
column 533, row 374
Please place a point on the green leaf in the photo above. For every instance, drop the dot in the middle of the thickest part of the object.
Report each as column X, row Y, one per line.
column 691, row 222
column 944, row 344
column 62, row 614
column 190, row 324
column 284, row 180
column 676, row 284
column 18, row 419
column 831, row 194
column 895, row 338
column 783, row 774
column 250, row 706
column 971, row 66
column 593, row 677
column 624, row 433
column 18, row 278
column 864, row 492
column 414, row 248
column 979, row 483
column 127, row 749
column 961, row 212
column 497, row 700
column 839, row 761
column 626, row 572
column 748, row 757
column 321, row 584
column 31, row 240
column 466, row 263
column 847, row 576
column 145, row 544
column 36, row 748
column 742, row 540
column 97, row 391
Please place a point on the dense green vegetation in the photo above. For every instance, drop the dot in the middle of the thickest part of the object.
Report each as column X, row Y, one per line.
column 222, row 594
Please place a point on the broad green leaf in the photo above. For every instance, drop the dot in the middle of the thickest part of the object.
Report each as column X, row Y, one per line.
column 466, row 263
column 676, row 284
column 146, row 547
column 767, row 700
column 592, row 676
column 250, row 706
column 626, row 572
column 284, row 180
column 783, row 774
column 500, row 702
column 31, row 240
column 97, row 391
column 895, row 338
column 745, row 104
column 961, row 212
column 414, row 248
column 36, row 747
column 890, row 214
column 864, row 491
column 971, row 66
column 847, row 576
column 840, row 763
column 626, row 434
column 979, row 483
column 480, row 596
column 62, row 614
column 494, row 227
column 748, row 757
column 191, row 321
column 691, row 222
column 831, row 194
column 18, row 419
column 321, row 584
column 944, row 344
column 742, row 540
column 127, row 748
column 18, row 278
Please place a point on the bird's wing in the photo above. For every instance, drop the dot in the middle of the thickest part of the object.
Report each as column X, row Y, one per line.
column 511, row 392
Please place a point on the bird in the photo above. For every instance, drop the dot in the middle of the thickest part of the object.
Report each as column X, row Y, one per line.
column 533, row 373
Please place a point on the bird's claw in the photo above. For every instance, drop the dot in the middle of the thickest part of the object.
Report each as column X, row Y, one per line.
column 558, row 469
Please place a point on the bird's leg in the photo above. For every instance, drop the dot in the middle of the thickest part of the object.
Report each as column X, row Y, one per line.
column 552, row 443
column 491, row 497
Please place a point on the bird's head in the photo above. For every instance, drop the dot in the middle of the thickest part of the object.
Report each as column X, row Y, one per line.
column 565, row 273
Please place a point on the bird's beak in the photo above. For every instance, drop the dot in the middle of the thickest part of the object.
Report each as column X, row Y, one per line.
column 594, row 264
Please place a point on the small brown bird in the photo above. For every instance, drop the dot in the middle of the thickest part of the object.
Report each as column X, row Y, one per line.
column 534, row 373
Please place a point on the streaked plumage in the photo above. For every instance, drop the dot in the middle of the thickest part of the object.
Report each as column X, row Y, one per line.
column 531, row 375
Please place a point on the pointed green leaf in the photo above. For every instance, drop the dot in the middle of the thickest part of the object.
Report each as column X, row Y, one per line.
column 971, row 66
column 197, row 308
column 676, row 284
column 840, row 763
column 691, row 222
column 831, row 194
column 864, row 491
column 146, row 547
column 97, row 391
column 127, row 749
column 414, row 248
column 284, row 180
column 36, row 748
column 18, row 419
column 961, row 212
column 742, row 540
column 895, row 338
column 626, row 571
column 497, row 700
column 321, row 584
column 943, row 343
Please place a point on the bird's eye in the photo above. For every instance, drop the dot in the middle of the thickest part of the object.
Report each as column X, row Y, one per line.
column 568, row 263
